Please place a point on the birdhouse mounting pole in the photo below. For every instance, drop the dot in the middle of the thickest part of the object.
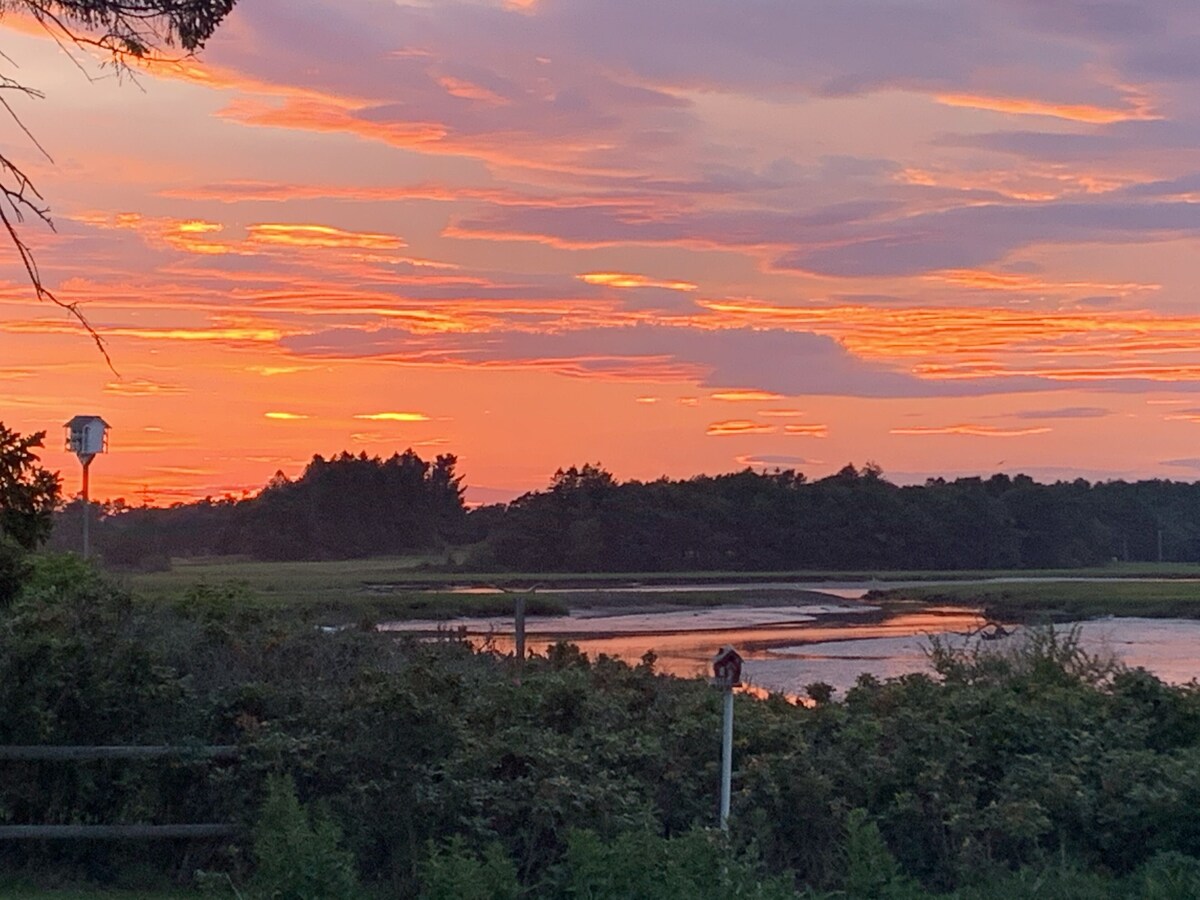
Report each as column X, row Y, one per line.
column 726, row 757
column 727, row 674
column 87, row 505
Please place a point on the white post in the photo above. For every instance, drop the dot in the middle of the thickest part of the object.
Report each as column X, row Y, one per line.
column 87, row 505
column 726, row 758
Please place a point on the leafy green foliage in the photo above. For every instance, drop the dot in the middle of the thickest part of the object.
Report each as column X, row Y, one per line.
column 28, row 495
column 1042, row 771
column 1168, row 876
column 696, row 865
column 871, row 871
column 453, row 872
column 298, row 852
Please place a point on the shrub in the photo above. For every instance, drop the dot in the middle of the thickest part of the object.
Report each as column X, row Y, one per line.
column 299, row 854
column 1167, row 876
column 453, row 872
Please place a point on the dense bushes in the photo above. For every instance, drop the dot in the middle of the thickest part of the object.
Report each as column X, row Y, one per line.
column 1043, row 770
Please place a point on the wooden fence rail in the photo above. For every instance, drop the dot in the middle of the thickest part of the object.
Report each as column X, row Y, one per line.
column 115, row 832
column 137, row 832
column 53, row 753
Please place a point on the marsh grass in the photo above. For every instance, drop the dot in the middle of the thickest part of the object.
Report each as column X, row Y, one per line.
column 420, row 587
column 1062, row 601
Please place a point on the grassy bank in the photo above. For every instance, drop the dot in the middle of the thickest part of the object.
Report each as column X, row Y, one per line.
column 411, row 588
column 1060, row 601
column 393, row 589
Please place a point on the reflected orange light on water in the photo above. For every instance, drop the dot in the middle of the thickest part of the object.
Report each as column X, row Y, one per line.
column 687, row 654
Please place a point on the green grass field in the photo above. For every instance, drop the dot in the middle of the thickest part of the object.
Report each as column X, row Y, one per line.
column 412, row 587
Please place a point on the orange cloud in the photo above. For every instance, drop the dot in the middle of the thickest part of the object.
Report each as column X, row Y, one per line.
column 1030, row 182
column 141, row 387
column 972, row 342
column 738, row 426
column 813, row 430
column 1140, row 111
column 330, row 114
column 468, row 90
column 286, row 416
column 394, row 417
column 236, row 191
column 1005, row 281
column 198, row 226
column 200, row 334
column 970, row 430
column 322, row 236
column 270, row 371
column 781, row 413
column 746, row 396
column 628, row 280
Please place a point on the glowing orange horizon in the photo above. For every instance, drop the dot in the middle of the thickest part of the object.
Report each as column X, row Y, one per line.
column 542, row 251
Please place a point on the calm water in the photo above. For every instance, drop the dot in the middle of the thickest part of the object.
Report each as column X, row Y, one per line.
column 787, row 647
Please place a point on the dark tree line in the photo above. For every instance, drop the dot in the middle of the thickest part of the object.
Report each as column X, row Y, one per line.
column 586, row 521
column 750, row 521
column 342, row 508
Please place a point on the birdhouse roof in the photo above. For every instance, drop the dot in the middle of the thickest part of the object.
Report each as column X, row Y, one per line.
column 726, row 653
column 80, row 421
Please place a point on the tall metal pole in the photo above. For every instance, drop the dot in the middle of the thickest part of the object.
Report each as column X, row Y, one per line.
column 726, row 758
column 87, row 506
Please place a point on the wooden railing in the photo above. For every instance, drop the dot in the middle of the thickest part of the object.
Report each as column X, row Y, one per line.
column 116, row 832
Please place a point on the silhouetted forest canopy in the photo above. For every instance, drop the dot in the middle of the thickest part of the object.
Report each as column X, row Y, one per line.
column 341, row 508
column 586, row 521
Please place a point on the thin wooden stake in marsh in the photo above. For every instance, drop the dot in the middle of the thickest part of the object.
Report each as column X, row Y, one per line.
column 519, row 623
column 519, row 630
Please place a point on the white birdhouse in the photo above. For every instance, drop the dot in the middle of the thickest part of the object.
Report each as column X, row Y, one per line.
column 87, row 436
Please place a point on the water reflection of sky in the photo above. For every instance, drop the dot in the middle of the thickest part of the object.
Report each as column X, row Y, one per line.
column 1166, row 647
column 601, row 621
column 684, row 641
column 789, row 647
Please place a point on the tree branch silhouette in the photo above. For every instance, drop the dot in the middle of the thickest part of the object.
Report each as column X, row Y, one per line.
column 124, row 31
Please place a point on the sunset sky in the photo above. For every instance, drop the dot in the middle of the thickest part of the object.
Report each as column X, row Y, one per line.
column 671, row 236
